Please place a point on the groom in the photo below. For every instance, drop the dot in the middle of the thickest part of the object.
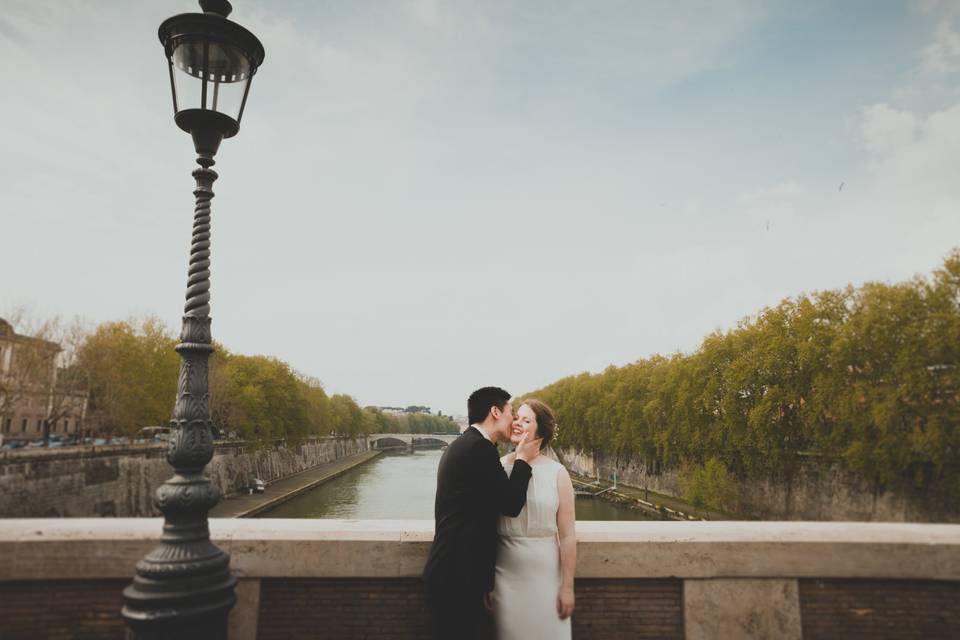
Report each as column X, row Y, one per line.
column 472, row 491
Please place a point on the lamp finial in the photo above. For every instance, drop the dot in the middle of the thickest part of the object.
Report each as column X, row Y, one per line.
column 219, row 7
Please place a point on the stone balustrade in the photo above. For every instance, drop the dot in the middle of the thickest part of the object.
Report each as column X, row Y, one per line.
column 360, row 579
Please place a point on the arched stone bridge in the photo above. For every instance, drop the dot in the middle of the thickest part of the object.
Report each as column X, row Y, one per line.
column 409, row 440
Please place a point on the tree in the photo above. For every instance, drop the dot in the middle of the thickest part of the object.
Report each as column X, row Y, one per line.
column 868, row 377
column 709, row 485
column 132, row 374
column 262, row 398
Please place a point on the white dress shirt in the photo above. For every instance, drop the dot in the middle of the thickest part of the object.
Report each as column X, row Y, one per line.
column 482, row 432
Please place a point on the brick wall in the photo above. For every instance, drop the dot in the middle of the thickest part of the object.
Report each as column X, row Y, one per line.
column 62, row 610
column 345, row 608
column 621, row 609
column 394, row 609
column 902, row 609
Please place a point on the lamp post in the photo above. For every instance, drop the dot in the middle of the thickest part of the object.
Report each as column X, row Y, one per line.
column 183, row 588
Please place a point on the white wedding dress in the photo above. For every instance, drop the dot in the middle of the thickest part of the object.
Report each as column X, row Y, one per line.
column 528, row 563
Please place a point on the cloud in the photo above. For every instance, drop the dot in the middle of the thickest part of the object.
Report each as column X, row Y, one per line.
column 401, row 165
column 885, row 130
column 911, row 152
column 943, row 54
column 431, row 15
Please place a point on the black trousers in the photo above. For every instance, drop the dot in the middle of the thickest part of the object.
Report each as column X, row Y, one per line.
column 459, row 616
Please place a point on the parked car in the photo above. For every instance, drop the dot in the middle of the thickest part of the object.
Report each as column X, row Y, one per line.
column 157, row 434
column 257, row 486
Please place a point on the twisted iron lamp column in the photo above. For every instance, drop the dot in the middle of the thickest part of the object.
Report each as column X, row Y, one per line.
column 183, row 588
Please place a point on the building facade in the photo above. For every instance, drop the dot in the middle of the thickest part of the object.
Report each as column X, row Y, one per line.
column 31, row 392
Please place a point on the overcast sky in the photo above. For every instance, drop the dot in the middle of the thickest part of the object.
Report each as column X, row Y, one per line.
column 426, row 197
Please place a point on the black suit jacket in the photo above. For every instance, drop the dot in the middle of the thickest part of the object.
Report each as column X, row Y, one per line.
column 472, row 491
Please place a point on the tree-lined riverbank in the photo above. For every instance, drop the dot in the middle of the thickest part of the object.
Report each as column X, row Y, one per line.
column 127, row 372
column 865, row 381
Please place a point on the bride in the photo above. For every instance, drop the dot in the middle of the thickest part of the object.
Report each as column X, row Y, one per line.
column 537, row 550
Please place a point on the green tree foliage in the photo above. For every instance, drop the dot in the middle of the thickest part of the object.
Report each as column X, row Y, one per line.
column 709, row 485
column 867, row 376
column 131, row 371
column 411, row 422
column 265, row 399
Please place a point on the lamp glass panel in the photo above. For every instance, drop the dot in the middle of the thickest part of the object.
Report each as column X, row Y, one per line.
column 187, row 74
column 226, row 73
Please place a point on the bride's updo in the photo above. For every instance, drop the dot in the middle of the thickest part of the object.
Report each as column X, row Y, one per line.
column 546, row 421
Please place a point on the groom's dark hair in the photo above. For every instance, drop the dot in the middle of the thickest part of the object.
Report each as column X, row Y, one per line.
column 482, row 400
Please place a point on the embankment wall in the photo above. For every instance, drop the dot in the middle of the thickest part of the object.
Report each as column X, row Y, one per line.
column 817, row 490
column 121, row 480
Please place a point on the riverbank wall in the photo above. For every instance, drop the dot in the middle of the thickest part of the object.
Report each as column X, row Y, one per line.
column 121, row 480
column 257, row 505
column 817, row 490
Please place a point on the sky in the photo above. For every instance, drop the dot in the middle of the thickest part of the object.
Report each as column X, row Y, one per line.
column 426, row 197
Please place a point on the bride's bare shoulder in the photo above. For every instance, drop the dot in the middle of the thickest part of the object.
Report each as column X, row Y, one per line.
column 508, row 459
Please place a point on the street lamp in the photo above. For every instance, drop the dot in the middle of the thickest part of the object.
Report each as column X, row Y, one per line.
column 183, row 588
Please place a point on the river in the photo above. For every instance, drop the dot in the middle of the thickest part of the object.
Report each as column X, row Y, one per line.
column 400, row 486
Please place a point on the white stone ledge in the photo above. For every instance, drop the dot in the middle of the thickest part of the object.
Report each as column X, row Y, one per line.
column 72, row 548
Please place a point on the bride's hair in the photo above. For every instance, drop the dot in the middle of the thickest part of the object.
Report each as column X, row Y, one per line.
column 546, row 421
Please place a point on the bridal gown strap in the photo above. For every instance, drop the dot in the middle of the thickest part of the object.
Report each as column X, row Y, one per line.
column 528, row 564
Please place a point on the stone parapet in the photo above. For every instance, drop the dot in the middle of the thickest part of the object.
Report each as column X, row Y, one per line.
column 676, row 579
column 273, row 547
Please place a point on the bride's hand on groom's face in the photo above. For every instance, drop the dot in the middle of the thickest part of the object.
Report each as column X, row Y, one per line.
column 528, row 449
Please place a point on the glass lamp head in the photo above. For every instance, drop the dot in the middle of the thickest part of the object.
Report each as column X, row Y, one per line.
column 211, row 61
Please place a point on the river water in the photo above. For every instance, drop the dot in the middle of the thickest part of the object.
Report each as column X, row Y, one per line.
column 400, row 486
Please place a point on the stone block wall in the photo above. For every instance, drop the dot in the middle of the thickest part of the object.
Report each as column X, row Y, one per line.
column 631, row 471
column 120, row 481
column 817, row 491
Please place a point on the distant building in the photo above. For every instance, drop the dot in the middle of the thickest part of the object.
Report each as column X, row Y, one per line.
column 414, row 408
column 29, row 390
column 462, row 422
column 399, row 411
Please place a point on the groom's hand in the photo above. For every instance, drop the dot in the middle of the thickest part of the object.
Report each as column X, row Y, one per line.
column 527, row 451
column 488, row 601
